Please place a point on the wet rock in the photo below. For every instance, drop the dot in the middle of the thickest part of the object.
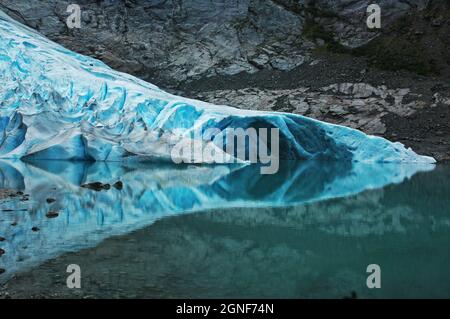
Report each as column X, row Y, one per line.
column 50, row 200
column 35, row 229
column 2, row 252
column 390, row 99
column 51, row 215
column 96, row 186
column 259, row 61
column 286, row 63
column 2, row 238
column 118, row 185
column 14, row 224
column 2, row 271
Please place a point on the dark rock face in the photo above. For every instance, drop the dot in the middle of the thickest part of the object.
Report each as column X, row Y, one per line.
column 418, row 41
column 172, row 41
column 311, row 57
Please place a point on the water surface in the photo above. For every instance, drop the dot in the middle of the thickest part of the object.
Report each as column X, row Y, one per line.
column 226, row 231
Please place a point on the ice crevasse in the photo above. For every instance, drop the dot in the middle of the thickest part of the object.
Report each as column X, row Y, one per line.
column 57, row 104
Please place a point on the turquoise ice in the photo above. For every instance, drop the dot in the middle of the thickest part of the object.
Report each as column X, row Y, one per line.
column 56, row 104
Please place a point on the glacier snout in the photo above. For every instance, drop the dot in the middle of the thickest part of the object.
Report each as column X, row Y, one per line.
column 56, row 104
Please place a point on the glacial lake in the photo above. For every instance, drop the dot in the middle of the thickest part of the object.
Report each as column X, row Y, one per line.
column 168, row 231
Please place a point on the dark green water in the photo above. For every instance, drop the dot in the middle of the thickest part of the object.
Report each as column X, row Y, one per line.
column 307, row 249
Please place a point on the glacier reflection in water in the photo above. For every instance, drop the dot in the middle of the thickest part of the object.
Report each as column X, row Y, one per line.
column 151, row 192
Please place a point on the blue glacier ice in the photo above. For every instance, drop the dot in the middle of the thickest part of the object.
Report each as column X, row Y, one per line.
column 56, row 104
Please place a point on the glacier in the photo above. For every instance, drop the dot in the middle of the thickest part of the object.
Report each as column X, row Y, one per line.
column 59, row 105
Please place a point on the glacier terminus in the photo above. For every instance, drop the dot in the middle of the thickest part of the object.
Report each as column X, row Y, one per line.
column 60, row 105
